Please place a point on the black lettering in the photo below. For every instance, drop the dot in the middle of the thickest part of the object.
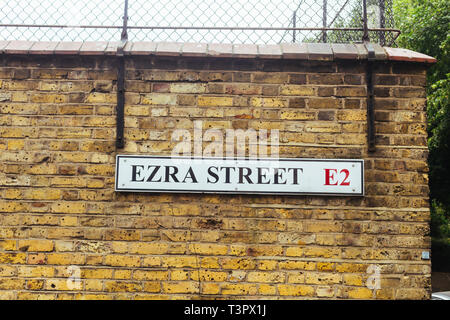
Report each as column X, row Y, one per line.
column 295, row 174
column 262, row 173
column 227, row 173
column 246, row 176
column 173, row 174
column 213, row 174
column 190, row 174
column 152, row 175
column 135, row 173
column 278, row 175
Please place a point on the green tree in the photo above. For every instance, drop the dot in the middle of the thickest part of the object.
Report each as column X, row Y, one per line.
column 425, row 26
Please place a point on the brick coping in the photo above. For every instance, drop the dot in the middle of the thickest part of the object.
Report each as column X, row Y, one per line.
column 302, row 51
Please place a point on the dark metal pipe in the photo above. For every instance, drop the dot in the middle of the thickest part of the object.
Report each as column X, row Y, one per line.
column 120, row 113
column 370, row 98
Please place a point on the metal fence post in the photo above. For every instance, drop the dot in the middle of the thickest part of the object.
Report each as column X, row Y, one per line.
column 382, row 21
column 324, row 22
column 365, row 37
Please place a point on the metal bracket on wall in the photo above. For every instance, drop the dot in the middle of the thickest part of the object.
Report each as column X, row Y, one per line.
column 370, row 98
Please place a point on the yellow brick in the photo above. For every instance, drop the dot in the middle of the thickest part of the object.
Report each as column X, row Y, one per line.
column 295, row 290
column 208, row 249
column 207, row 101
column 65, row 259
column 96, row 273
column 267, row 264
column 351, row 267
column 209, row 276
column 93, row 285
column 297, row 115
column 43, row 194
column 266, row 289
column 93, row 297
column 210, row 288
column 239, row 289
column 296, row 90
column 61, row 285
column 12, row 258
column 35, row 296
column 99, row 97
column 8, row 295
column 121, row 286
column 180, row 262
column 148, row 248
column 294, row 251
column 122, row 235
column 322, row 278
column 68, row 207
column 151, row 275
column 159, row 99
column 237, row 263
column 69, row 221
column 268, row 102
column 122, row 261
column 297, row 265
column 210, row 263
column 36, row 245
column 8, row 271
column 296, row 277
column 179, row 275
column 264, row 277
column 351, row 115
column 122, row 274
column 8, row 245
column 35, row 284
column 181, row 287
column 48, row 98
column 187, row 87
column 359, row 293
column 12, row 284
column 322, row 252
column 353, row 279
column 325, row 292
column 16, row 144
column 152, row 286
column 325, row 266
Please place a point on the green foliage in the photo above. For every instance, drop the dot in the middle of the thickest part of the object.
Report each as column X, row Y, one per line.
column 440, row 224
column 438, row 113
column 425, row 26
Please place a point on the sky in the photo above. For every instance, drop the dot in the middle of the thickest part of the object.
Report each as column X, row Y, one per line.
column 228, row 13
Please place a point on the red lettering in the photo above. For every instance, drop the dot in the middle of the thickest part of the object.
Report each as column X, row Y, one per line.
column 328, row 176
column 345, row 182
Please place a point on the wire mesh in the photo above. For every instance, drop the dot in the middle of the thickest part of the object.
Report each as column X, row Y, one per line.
column 210, row 21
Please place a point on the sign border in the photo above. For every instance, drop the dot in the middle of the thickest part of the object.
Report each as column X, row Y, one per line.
column 117, row 189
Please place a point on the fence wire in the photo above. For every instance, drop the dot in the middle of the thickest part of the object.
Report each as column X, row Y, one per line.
column 210, row 21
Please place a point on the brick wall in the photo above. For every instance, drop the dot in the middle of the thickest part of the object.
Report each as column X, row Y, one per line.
column 58, row 207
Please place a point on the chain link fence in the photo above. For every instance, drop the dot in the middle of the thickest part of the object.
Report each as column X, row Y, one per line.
column 207, row 21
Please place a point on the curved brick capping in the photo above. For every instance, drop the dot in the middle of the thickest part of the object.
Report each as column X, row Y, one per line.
column 60, row 216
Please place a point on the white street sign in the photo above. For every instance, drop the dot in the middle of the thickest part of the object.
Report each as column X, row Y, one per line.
column 253, row 176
